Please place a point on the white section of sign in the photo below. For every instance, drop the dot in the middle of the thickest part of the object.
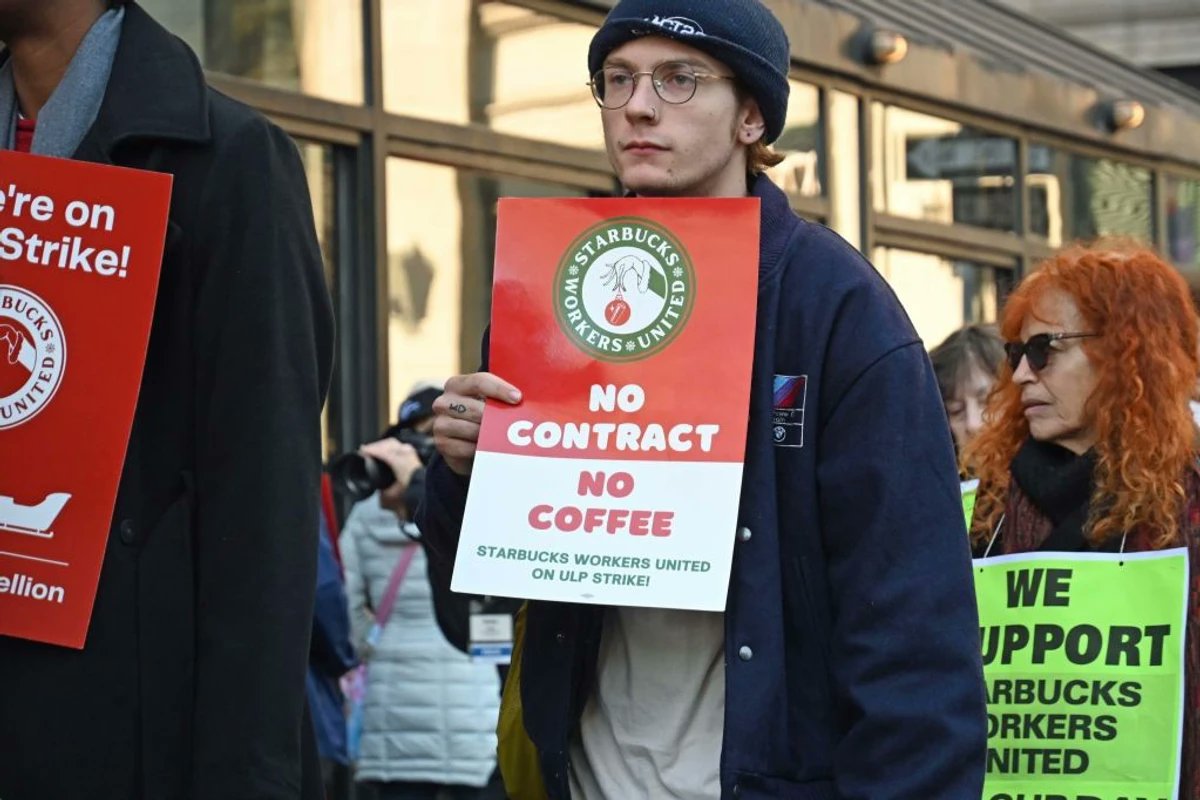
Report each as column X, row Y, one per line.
column 502, row 553
column 34, row 558
column 27, row 358
column 33, row 520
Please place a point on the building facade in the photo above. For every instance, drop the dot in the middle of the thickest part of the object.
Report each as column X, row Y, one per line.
column 954, row 168
column 1160, row 34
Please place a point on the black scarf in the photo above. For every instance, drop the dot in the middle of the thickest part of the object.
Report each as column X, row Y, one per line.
column 1059, row 483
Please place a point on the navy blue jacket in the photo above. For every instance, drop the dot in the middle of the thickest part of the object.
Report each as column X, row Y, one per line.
column 851, row 635
column 330, row 654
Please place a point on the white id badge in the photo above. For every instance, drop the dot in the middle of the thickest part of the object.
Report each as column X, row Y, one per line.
column 491, row 638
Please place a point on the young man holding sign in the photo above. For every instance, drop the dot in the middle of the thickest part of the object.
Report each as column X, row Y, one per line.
column 846, row 663
column 182, row 674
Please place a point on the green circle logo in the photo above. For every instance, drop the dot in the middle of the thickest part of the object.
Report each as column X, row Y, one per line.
column 624, row 289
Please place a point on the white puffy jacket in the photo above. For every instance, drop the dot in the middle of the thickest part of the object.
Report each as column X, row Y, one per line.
column 429, row 713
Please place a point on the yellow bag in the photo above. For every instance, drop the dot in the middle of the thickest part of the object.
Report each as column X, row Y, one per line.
column 518, row 758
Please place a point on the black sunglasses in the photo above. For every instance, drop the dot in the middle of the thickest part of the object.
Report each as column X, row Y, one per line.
column 1037, row 349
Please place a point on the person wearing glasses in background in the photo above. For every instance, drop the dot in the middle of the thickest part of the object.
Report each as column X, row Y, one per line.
column 1089, row 444
column 847, row 661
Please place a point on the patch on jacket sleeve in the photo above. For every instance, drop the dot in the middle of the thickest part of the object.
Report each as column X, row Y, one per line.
column 787, row 416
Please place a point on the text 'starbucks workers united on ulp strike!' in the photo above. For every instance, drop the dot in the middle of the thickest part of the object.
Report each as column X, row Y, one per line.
column 629, row 327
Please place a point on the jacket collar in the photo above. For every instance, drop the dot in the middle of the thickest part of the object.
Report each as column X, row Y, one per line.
column 777, row 223
column 156, row 91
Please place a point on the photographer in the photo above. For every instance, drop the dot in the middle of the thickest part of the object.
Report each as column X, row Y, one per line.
column 403, row 451
column 393, row 465
column 429, row 714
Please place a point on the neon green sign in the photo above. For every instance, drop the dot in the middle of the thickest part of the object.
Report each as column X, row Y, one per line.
column 970, row 489
column 1083, row 659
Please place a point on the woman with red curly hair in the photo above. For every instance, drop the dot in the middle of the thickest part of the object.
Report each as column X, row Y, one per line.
column 1089, row 443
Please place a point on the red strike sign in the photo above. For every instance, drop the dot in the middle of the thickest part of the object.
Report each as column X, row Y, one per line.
column 80, row 252
column 628, row 325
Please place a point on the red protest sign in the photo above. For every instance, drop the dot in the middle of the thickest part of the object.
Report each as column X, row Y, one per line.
column 80, row 252
column 628, row 324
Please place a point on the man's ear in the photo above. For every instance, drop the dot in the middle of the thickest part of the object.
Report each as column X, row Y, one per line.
column 750, row 123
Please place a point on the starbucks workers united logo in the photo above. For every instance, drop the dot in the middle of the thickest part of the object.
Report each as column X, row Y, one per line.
column 624, row 289
column 33, row 355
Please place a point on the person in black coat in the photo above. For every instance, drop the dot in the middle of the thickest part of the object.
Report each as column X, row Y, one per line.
column 191, row 681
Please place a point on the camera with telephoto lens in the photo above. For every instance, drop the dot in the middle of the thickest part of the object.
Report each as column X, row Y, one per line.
column 358, row 477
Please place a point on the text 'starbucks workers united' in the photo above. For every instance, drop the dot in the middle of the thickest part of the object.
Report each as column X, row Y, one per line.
column 624, row 289
column 607, row 484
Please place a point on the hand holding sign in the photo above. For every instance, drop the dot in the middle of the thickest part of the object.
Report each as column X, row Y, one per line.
column 458, row 414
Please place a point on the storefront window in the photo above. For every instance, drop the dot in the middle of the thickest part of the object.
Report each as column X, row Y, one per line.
column 1076, row 197
column 1183, row 223
column 309, row 46
column 496, row 64
column 441, row 229
column 939, row 170
column 843, row 172
column 940, row 294
column 801, row 174
column 318, row 168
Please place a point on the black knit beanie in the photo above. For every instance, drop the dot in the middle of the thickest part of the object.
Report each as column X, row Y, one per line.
column 742, row 34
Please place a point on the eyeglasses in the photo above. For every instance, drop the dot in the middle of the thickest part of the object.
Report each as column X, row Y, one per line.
column 1037, row 349
column 674, row 82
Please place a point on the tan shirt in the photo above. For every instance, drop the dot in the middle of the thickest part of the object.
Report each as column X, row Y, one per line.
column 653, row 725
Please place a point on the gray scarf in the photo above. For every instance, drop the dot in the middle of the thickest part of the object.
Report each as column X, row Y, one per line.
column 69, row 113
